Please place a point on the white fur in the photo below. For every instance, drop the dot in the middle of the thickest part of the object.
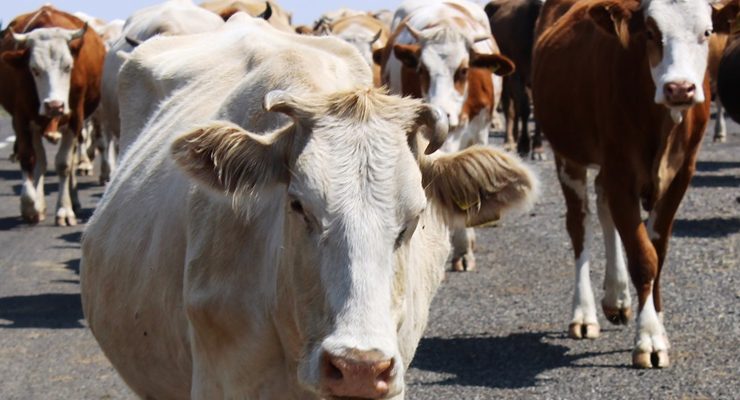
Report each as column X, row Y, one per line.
column 651, row 335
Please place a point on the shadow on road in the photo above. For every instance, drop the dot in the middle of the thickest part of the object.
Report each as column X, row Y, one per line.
column 714, row 166
column 52, row 310
column 510, row 362
column 706, row 228
column 73, row 265
column 9, row 223
column 72, row 237
column 715, row 181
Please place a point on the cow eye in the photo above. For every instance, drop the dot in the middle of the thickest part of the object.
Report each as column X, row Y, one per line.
column 68, row 68
column 707, row 33
column 407, row 231
column 462, row 74
column 296, row 206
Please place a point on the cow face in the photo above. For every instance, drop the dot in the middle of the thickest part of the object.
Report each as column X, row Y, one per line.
column 354, row 199
column 443, row 57
column 49, row 56
column 675, row 36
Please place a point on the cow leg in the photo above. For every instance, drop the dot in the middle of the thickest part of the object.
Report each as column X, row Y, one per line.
column 33, row 167
column 109, row 147
column 538, row 149
column 584, row 323
column 65, row 164
column 522, row 114
column 617, row 301
column 651, row 345
column 720, row 128
column 84, row 165
column 507, row 104
column 463, row 245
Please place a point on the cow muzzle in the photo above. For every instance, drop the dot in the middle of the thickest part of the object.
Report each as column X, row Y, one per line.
column 53, row 108
column 358, row 374
column 679, row 94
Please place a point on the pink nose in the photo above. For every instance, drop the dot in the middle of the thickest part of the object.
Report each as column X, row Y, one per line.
column 54, row 107
column 365, row 375
column 679, row 92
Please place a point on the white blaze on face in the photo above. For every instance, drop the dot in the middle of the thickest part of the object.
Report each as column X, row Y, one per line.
column 363, row 191
column 682, row 26
column 443, row 52
column 51, row 63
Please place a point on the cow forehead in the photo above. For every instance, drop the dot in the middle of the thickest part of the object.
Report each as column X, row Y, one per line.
column 680, row 18
column 48, row 34
column 444, row 55
column 339, row 169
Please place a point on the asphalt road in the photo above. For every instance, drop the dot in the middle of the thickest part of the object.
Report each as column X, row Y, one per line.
column 494, row 333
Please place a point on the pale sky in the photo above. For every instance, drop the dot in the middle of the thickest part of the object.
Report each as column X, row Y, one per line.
column 304, row 11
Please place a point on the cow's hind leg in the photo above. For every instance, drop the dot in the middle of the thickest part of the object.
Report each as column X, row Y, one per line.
column 65, row 164
column 463, row 246
column 584, row 323
column 617, row 300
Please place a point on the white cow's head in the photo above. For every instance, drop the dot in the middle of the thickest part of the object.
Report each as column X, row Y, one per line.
column 49, row 55
column 352, row 187
column 442, row 57
column 675, row 36
column 361, row 39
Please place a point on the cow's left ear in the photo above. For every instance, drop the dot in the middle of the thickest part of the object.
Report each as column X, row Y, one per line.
column 497, row 63
column 478, row 185
column 617, row 18
column 725, row 18
column 226, row 158
column 16, row 58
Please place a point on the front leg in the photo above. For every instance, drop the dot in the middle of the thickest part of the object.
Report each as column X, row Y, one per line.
column 463, row 247
column 651, row 344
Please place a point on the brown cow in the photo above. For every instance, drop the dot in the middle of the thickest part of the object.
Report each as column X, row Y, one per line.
column 621, row 87
column 512, row 24
column 50, row 69
column 728, row 79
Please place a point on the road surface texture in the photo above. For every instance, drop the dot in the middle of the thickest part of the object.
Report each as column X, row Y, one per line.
column 496, row 333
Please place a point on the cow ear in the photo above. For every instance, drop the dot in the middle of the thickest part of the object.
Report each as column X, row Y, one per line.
column 409, row 54
column 618, row 19
column 378, row 55
column 226, row 158
column 725, row 18
column 478, row 185
column 16, row 58
column 497, row 63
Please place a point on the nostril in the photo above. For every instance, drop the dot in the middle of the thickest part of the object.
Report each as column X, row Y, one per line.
column 331, row 370
column 386, row 369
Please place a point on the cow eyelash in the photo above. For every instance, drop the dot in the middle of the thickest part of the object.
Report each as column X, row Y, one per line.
column 401, row 236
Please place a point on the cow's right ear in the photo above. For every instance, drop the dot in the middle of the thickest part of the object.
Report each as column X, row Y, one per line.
column 378, row 55
column 617, row 19
column 226, row 158
column 16, row 58
column 408, row 54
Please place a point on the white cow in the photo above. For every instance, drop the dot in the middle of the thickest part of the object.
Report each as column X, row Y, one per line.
column 173, row 17
column 284, row 252
column 451, row 61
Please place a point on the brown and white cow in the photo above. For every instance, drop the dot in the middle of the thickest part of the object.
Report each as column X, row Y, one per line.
column 51, row 68
column 621, row 87
column 512, row 24
column 443, row 52
column 277, row 230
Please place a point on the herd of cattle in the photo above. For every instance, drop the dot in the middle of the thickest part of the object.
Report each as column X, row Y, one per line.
column 287, row 197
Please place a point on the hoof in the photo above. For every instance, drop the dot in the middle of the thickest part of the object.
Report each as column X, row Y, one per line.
column 719, row 139
column 34, row 218
column 509, row 147
column 617, row 316
column 463, row 264
column 84, row 169
column 53, row 137
column 65, row 217
column 103, row 180
column 583, row 331
column 539, row 155
column 643, row 360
